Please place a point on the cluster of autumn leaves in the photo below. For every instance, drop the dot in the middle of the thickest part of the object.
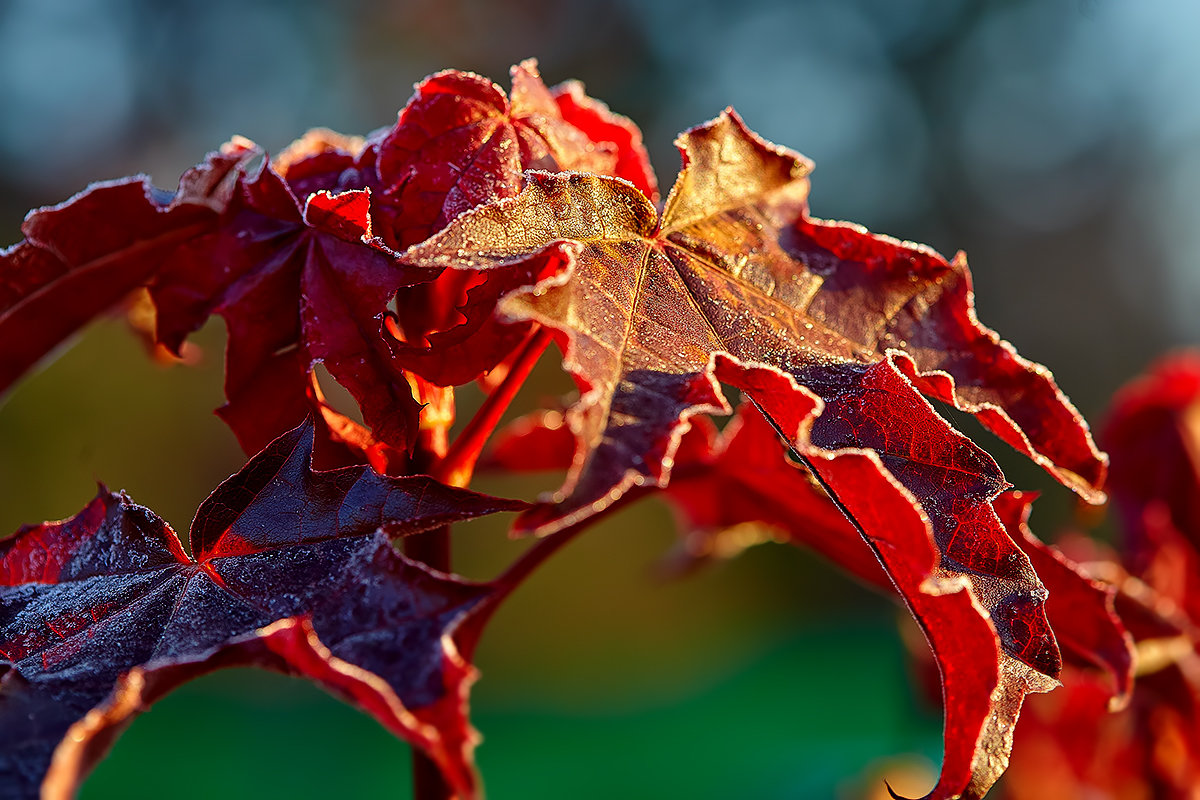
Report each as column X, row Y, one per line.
column 455, row 247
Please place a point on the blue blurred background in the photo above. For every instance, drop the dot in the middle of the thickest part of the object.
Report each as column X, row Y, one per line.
column 1056, row 141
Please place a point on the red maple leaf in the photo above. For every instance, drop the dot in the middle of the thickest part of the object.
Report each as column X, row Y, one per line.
column 929, row 511
column 83, row 256
column 291, row 569
column 833, row 333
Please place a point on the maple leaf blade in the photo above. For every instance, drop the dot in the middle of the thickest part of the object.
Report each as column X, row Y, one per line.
column 983, row 619
column 555, row 212
column 654, row 315
column 75, row 262
column 295, row 572
column 224, row 243
column 461, row 142
column 729, row 269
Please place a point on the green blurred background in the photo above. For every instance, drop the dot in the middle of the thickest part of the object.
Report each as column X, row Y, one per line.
column 1058, row 143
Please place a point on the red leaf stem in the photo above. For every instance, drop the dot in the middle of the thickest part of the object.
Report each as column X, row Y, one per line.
column 459, row 462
